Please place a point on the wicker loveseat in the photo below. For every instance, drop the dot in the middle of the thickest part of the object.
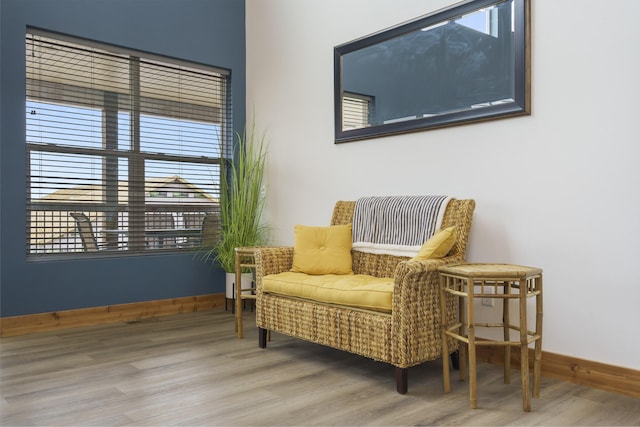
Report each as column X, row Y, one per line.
column 407, row 336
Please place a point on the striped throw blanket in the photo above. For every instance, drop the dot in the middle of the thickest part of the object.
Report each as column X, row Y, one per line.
column 396, row 225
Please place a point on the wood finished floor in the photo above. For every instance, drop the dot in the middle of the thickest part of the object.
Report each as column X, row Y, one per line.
column 190, row 369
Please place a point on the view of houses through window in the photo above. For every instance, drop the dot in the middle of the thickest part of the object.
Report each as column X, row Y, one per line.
column 123, row 151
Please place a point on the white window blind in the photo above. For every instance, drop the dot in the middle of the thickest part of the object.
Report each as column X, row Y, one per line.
column 356, row 111
column 123, row 149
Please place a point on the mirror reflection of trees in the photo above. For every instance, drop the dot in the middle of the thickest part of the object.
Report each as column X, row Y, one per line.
column 459, row 64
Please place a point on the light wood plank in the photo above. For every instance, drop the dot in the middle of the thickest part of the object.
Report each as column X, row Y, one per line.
column 191, row 369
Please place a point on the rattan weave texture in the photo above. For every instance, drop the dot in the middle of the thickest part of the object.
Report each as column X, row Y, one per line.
column 410, row 335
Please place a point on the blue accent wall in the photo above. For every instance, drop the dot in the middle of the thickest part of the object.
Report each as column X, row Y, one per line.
column 210, row 32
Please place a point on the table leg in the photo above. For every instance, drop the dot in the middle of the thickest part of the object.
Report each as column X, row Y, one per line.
column 462, row 359
column 238, row 300
column 538, row 349
column 446, row 380
column 506, row 289
column 473, row 398
column 524, row 348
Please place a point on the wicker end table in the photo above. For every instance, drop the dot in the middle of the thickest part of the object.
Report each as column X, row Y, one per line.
column 468, row 282
column 244, row 259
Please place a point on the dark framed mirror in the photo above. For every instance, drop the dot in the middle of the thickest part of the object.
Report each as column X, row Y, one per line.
column 466, row 63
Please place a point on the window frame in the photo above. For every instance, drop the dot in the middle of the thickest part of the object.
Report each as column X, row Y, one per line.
column 135, row 237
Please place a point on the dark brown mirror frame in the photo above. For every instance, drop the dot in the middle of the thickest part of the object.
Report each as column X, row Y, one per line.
column 514, row 64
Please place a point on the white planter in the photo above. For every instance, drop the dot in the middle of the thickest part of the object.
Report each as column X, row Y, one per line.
column 246, row 283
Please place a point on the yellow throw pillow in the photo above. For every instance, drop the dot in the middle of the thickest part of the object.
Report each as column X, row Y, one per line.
column 322, row 250
column 438, row 245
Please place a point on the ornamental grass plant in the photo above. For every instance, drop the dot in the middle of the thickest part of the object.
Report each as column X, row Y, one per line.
column 242, row 200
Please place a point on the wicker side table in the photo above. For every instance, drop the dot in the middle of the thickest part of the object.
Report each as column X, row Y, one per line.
column 500, row 281
column 244, row 259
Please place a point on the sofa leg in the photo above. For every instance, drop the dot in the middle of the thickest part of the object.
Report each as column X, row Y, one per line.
column 455, row 359
column 262, row 338
column 401, row 380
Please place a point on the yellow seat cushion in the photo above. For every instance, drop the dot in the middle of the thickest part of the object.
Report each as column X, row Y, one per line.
column 353, row 290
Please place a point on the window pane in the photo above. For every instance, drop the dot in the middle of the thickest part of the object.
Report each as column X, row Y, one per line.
column 49, row 123
column 70, row 177
column 165, row 135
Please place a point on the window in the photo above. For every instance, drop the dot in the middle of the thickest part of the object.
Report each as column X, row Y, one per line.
column 131, row 141
column 484, row 20
column 356, row 110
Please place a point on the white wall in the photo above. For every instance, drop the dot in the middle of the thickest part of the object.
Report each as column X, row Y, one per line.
column 559, row 189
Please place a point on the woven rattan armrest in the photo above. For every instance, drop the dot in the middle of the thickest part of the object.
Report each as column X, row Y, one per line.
column 272, row 260
column 416, row 310
column 411, row 285
column 424, row 266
